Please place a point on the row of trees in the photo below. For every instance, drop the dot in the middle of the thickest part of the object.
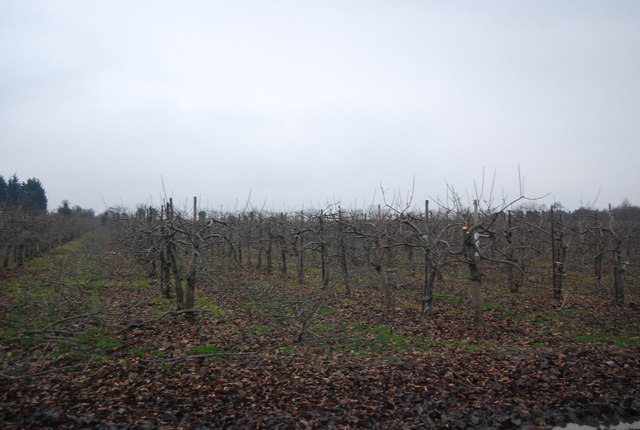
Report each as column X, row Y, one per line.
column 27, row 229
column 29, row 195
column 25, row 235
column 390, row 245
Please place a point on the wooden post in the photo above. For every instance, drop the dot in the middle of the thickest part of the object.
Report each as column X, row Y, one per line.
column 513, row 279
column 618, row 264
column 283, row 245
column 323, row 252
column 249, row 239
column 475, row 273
column 429, row 277
column 554, row 256
column 301, row 250
column 343, row 255
column 562, row 256
column 195, row 209
column 259, row 263
column 269, row 245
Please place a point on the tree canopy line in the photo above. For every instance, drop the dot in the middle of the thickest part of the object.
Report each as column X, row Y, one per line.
column 28, row 195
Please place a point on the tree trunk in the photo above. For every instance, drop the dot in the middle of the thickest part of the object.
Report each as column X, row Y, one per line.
column 190, row 293
column 269, row 253
column 344, row 268
column 283, row 258
column 597, row 265
column 476, row 288
column 7, row 257
column 427, row 299
column 259, row 264
column 165, row 274
column 475, row 276
column 618, row 275
column 177, row 277
column 383, row 280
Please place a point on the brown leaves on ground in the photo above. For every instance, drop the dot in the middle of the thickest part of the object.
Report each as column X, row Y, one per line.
column 265, row 353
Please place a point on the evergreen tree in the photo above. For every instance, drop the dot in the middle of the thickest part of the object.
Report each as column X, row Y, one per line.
column 3, row 192
column 14, row 189
column 28, row 195
column 33, row 196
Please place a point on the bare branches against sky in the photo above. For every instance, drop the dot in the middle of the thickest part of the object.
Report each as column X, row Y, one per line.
column 305, row 102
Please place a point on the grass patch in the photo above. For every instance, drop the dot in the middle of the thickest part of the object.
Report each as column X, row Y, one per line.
column 516, row 316
column 158, row 352
column 260, row 330
column 107, row 342
column 621, row 341
column 164, row 304
column 376, row 338
column 203, row 302
column 95, row 339
column 468, row 347
column 288, row 349
column 206, row 349
column 491, row 306
column 139, row 351
column 326, row 310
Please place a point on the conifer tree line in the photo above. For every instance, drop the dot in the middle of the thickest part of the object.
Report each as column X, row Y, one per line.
column 28, row 195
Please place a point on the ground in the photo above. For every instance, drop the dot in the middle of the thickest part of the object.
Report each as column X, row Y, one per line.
column 87, row 341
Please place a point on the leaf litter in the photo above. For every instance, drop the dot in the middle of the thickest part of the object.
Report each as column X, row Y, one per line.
column 272, row 356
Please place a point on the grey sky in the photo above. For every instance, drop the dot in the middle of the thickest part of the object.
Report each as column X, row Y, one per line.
column 308, row 102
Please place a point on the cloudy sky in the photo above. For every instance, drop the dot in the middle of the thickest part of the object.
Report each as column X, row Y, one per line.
column 299, row 103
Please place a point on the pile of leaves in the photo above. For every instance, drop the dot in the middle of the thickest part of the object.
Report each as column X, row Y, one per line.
column 96, row 346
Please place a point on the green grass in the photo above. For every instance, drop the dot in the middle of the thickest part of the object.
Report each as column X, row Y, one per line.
column 516, row 316
column 326, row 310
column 139, row 351
column 621, row 341
column 93, row 337
column 48, row 289
column 158, row 352
column 164, row 304
column 492, row 305
column 288, row 349
column 41, row 288
column 259, row 330
column 376, row 338
column 203, row 302
column 107, row 343
column 206, row 349
column 468, row 347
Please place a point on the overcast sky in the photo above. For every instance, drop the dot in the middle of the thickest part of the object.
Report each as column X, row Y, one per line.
column 300, row 103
